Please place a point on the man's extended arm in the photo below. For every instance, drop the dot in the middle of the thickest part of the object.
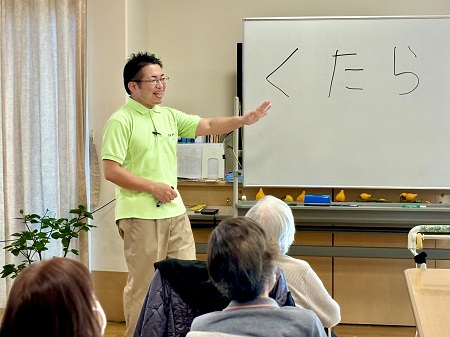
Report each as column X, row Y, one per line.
column 221, row 125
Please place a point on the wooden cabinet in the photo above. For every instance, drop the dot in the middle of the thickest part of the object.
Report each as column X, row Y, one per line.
column 323, row 266
column 372, row 290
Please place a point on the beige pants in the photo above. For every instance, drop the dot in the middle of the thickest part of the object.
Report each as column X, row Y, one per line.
column 146, row 242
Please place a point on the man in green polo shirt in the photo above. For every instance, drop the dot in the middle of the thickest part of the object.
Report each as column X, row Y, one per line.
column 139, row 154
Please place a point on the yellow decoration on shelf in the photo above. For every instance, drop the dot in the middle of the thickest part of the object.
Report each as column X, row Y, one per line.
column 301, row 197
column 340, row 196
column 407, row 196
column 288, row 198
column 365, row 196
column 410, row 196
column 260, row 194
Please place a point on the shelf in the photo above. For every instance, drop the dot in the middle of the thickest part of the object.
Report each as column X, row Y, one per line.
column 391, row 215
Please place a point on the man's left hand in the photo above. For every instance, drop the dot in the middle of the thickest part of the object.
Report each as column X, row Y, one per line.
column 255, row 115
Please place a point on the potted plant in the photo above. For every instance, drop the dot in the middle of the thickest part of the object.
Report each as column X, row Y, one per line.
column 39, row 231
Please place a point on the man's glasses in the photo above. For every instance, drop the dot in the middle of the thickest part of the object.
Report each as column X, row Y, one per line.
column 154, row 81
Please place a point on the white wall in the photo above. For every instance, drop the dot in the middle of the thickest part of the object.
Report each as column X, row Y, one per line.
column 196, row 40
column 105, row 57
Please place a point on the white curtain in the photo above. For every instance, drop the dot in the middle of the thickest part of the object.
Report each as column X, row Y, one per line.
column 42, row 102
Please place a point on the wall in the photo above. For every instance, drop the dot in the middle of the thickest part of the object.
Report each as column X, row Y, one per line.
column 105, row 52
column 196, row 39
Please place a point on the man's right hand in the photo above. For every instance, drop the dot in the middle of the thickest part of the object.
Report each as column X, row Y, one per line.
column 164, row 193
column 115, row 173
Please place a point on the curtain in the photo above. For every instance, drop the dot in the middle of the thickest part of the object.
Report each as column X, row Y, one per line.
column 42, row 100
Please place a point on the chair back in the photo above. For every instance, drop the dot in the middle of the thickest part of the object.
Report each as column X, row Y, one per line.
column 185, row 285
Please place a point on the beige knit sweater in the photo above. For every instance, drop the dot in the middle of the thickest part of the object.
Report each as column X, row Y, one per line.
column 308, row 290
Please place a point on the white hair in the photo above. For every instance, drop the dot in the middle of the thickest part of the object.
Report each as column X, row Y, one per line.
column 277, row 220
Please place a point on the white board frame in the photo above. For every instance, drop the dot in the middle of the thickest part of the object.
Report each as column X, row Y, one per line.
column 320, row 133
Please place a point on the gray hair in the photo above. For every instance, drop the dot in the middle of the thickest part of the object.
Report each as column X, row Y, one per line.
column 277, row 220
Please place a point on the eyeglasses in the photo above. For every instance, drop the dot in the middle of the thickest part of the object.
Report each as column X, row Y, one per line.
column 154, row 81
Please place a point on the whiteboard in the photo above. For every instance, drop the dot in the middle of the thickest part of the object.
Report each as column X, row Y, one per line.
column 356, row 102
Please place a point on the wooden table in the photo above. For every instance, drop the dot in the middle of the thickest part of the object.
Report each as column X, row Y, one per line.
column 429, row 291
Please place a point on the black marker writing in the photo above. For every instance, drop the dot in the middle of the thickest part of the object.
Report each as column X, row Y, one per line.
column 348, row 69
column 267, row 77
column 406, row 72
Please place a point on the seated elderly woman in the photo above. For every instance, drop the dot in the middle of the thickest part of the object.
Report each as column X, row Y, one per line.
column 308, row 291
column 241, row 263
column 53, row 298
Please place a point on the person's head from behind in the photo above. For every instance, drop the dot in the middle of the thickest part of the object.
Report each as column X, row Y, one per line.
column 53, row 298
column 240, row 259
column 135, row 63
column 277, row 220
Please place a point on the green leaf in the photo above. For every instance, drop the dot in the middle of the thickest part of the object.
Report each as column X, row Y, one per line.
column 39, row 246
column 8, row 269
column 15, row 252
column 65, row 242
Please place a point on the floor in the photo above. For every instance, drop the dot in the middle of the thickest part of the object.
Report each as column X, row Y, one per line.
column 117, row 329
column 348, row 330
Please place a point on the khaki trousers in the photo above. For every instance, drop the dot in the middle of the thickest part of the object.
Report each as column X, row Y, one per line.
column 146, row 242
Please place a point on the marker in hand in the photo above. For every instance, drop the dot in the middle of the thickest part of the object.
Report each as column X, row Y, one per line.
column 159, row 203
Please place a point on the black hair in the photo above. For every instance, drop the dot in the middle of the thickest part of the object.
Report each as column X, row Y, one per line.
column 134, row 64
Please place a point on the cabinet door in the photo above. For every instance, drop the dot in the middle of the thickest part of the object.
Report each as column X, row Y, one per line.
column 443, row 264
column 323, row 266
column 372, row 290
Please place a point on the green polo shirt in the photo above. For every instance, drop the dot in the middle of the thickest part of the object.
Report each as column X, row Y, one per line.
column 144, row 141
